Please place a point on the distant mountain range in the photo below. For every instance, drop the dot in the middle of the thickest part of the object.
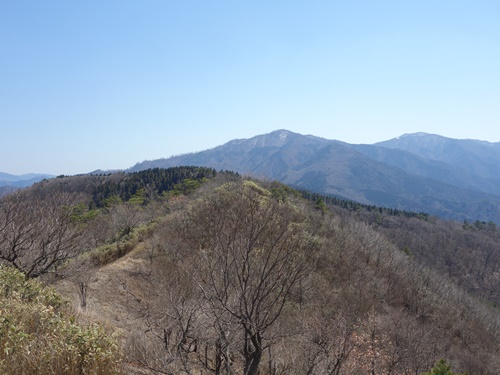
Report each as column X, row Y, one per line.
column 9, row 182
column 451, row 178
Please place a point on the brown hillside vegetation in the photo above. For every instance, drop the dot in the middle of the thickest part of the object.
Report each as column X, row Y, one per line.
column 39, row 335
column 244, row 277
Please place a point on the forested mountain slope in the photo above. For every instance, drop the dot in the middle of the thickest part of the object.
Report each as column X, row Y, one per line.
column 217, row 274
column 465, row 187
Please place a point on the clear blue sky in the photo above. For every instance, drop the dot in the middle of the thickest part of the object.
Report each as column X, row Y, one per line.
column 105, row 84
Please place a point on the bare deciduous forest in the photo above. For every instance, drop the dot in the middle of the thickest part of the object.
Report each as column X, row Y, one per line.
column 197, row 272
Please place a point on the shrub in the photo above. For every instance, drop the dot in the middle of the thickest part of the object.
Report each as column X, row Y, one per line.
column 39, row 335
column 441, row 368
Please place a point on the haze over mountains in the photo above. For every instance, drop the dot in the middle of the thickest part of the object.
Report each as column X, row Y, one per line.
column 456, row 179
column 22, row 180
column 450, row 178
column 9, row 182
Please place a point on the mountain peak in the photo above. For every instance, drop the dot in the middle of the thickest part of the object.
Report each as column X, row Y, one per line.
column 420, row 140
column 277, row 138
column 284, row 136
column 419, row 135
column 281, row 136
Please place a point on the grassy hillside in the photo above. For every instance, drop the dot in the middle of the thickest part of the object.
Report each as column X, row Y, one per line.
column 224, row 275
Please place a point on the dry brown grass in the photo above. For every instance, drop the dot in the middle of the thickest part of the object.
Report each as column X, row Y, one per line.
column 39, row 333
column 112, row 296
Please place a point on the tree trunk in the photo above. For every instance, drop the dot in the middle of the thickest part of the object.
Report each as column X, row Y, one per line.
column 252, row 363
column 83, row 295
column 253, row 357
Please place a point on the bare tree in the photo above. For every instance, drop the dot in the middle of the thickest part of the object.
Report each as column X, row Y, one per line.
column 126, row 216
column 251, row 255
column 37, row 233
column 328, row 340
column 172, row 316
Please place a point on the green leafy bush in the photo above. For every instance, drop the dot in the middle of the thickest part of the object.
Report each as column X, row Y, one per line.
column 441, row 368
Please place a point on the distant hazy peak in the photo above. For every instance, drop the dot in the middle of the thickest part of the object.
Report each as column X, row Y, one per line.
column 286, row 135
column 277, row 138
column 23, row 177
column 421, row 137
column 418, row 134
